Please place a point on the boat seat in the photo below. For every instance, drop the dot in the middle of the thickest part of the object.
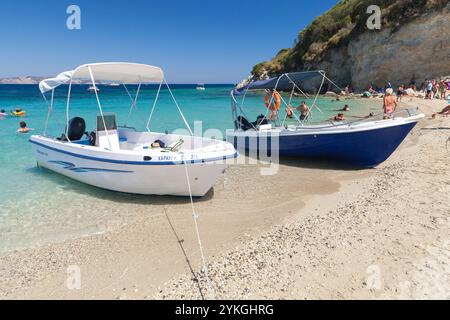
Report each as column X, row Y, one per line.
column 174, row 146
column 83, row 142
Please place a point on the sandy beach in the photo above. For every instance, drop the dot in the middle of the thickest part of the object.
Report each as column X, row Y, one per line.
column 313, row 231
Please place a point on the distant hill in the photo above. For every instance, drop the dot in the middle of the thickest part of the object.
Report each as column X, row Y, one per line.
column 413, row 44
column 21, row 80
column 34, row 80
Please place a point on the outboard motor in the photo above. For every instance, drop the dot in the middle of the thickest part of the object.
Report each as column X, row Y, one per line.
column 260, row 121
column 77, row 129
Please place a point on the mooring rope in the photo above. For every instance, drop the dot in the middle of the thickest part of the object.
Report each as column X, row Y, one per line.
column 204, row 268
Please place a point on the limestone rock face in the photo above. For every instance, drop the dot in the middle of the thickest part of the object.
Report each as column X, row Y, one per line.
column 416, row 51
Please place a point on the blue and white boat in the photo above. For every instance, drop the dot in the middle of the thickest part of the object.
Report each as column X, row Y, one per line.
column 364, row 143
column 123, row 159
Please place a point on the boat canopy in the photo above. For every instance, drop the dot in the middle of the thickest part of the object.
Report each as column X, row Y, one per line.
column 285, row 82
column 52, row 83
column 123, row 72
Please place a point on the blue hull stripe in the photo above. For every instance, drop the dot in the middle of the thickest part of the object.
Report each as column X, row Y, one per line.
column 137, row 163
column 70, row 166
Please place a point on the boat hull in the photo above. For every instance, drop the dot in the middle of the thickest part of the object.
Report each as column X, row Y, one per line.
column 359, row 148
column 145, row 179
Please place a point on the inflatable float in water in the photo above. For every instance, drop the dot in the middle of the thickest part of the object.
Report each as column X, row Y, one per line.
column 18, row 113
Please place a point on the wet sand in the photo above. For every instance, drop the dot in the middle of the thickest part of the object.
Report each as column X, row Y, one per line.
column 311, row 231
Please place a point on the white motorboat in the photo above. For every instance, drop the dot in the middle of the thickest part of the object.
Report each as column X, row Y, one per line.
column 93, row 89
column 201, row 87
column 123, row 159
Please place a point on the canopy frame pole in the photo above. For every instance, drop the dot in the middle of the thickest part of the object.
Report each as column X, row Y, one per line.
column 134, row 101
column 178, row 107
column 331, row 81
column 154, row 106
column 314, row 105
column 242, row 108
column 99, row 106
column 128, row 92
column 272, row 99
column 293, row 110
column 50, row 110
column 284, row 101
column 234, row 110
column 67, row 110
column 295, row 85
column 289, row 105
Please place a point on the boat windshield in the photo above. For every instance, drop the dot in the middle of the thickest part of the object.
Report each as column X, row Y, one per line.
column 108, row 120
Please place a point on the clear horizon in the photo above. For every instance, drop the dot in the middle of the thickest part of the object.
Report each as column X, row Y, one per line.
column 196, row 42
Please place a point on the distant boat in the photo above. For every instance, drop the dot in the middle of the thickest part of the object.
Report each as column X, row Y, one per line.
column 114, row 84
column 201, row 87
column 93, row 89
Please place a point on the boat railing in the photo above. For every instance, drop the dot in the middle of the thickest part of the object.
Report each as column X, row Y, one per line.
column 410, row 112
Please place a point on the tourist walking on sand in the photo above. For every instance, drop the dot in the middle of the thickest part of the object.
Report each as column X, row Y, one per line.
column 389, row 102
column 435, row 89
column 429, row 90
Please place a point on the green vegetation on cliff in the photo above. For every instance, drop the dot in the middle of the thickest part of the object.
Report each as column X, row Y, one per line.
column 338, row 26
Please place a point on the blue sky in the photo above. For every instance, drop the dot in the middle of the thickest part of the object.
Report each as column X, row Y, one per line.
column 194, row 41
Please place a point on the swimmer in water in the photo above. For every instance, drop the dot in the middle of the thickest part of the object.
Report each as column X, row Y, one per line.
column 345, row 109
column 339, row 117
column 23, row 127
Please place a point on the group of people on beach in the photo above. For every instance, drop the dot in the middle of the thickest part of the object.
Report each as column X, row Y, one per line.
column 436, row 89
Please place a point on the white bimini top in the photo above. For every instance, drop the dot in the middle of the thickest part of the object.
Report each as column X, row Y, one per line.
column 122, row 72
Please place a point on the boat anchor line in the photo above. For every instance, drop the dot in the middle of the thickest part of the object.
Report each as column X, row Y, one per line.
column 72, row 167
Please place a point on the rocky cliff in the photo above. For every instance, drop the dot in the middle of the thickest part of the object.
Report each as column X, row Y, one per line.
column 413, row 44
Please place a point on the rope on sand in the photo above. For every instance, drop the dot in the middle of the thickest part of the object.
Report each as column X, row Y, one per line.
column 204, row 268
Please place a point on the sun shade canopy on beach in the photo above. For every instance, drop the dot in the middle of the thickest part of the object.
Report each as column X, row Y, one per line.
column 126, row 73
column 284, row 82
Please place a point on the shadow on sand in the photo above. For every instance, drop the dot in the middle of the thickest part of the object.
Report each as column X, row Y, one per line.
column 316, row 163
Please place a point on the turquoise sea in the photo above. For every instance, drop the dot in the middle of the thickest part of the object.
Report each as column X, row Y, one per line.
column 37, row 206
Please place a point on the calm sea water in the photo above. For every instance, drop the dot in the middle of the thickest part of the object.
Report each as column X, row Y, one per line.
column 37, row 206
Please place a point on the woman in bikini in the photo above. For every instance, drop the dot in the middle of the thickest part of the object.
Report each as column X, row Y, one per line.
column 389, row 102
